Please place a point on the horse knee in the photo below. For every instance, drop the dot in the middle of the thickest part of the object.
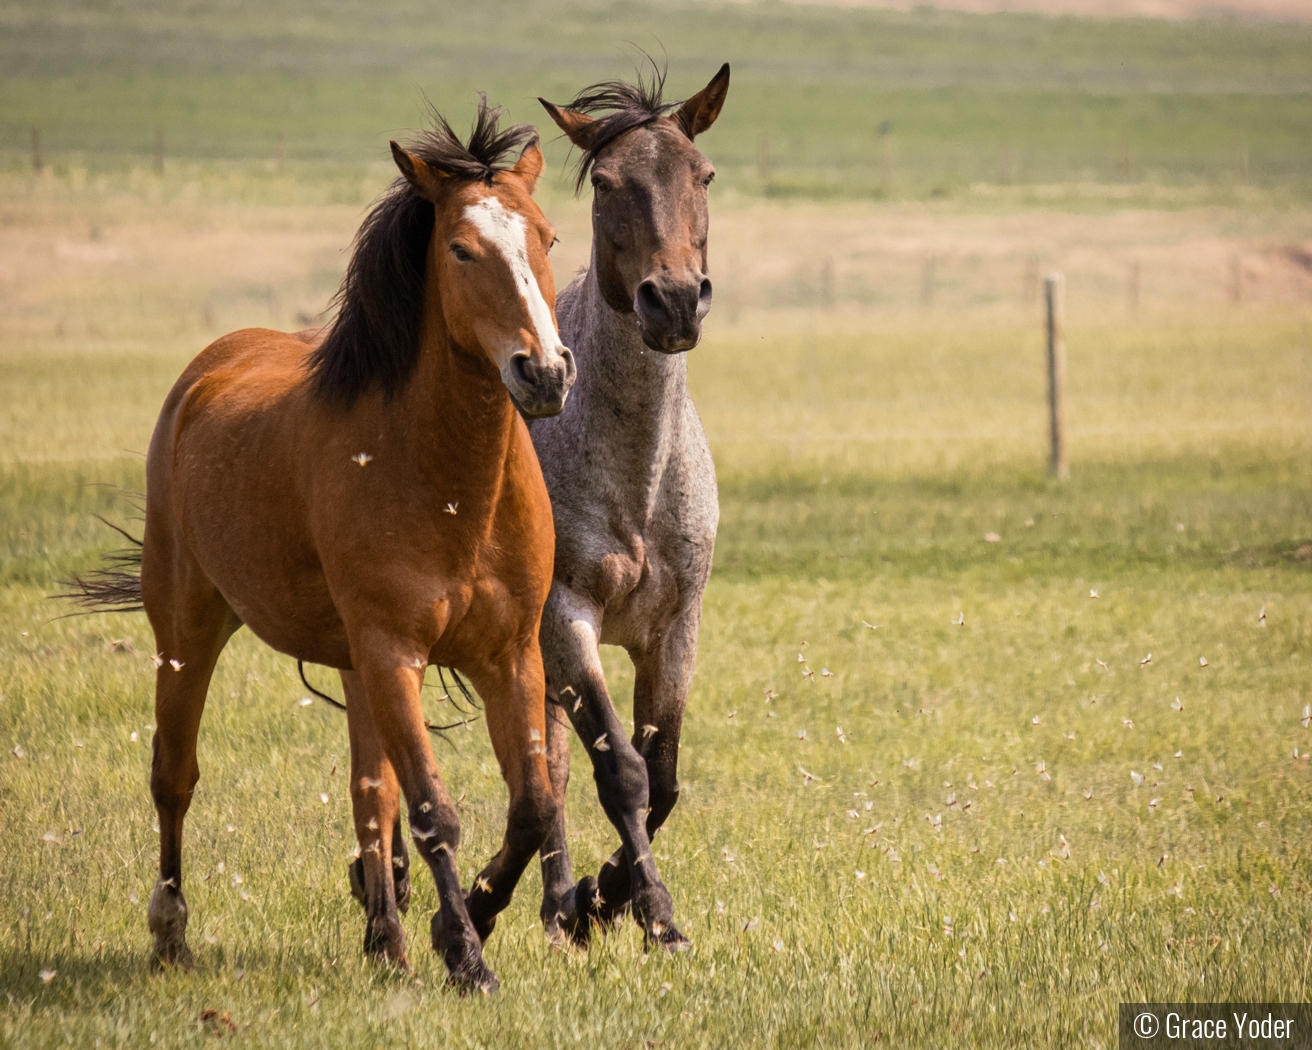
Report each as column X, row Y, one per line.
column 435, row 827
column 172, row 781
column 625, row 781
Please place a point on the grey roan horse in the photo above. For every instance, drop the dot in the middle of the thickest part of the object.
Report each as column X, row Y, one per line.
column 632, row 488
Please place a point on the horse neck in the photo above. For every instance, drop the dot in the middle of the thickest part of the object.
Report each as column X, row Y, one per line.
column 455, row 417
column 633, row 397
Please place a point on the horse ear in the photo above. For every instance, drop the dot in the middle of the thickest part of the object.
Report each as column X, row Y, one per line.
column 579, row 128
column 700, row 111
column 530, row 165
column 421, row 175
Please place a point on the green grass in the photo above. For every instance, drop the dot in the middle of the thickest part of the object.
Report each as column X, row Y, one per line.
column 1189, row 509
column 1060, row 96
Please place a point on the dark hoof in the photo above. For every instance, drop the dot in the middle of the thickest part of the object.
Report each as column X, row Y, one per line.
column 464, row 962
column 176, row 957
column 166, row 915
column 476, row 978
column 384, row 941
column 666, row 936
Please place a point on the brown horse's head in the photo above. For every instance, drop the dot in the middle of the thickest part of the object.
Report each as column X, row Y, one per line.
column 649, row 200
column 459, row 243
column 489, row 253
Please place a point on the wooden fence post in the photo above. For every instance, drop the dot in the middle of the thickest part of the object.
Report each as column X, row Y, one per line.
column 885, row 156
column 1053, row 290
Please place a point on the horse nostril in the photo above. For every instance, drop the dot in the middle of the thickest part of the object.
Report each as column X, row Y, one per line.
column 704, row 294
column 523, row 368
column 650, row 301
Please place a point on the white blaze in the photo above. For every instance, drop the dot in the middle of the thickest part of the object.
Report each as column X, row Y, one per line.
column 507, row 232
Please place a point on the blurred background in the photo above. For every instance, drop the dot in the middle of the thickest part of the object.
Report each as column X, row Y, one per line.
column 170, row 171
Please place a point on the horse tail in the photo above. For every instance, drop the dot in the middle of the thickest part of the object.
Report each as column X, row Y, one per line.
column 115, row 588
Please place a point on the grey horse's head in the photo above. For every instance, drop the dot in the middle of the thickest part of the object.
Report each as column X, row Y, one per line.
column 649, row 187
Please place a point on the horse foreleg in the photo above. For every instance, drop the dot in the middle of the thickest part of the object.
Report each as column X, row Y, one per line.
column 392, row 684
column 379, row 875
column 192, row 624
column 557, row 873
column 570, row 634
column 517, row 724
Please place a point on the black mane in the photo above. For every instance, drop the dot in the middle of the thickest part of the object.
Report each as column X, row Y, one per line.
column 626, row 106
column 375, row 337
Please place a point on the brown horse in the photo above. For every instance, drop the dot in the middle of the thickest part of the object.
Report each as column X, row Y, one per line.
column 373, row 503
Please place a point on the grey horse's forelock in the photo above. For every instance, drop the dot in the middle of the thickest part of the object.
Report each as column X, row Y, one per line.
column 624, row 106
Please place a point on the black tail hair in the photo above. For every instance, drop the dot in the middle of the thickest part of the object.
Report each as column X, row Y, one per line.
column 116, row 588
column 439, row 730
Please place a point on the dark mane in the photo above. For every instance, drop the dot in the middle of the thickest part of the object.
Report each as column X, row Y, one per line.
column 626, row 106
column 375, row 337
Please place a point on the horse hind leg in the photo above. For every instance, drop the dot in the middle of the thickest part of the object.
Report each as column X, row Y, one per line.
column 378, row 882
column 192, row 624
column 559, row 918
column 662, row 677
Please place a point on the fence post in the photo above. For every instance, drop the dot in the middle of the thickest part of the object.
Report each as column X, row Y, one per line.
column 1053, row 290
column 885, row 156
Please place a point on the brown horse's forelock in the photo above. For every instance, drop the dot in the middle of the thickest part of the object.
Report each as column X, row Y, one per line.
column 625, row 106
column 375, row 337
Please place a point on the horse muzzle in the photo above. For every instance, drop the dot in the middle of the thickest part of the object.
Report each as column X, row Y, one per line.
column 669, row 314
column 540, row 384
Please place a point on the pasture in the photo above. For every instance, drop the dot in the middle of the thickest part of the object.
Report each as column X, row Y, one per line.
column 972, row 860
column 987, row 818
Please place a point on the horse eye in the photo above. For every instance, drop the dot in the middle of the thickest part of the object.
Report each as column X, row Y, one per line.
column 461, row 254
column 709, row 179
column 554, row 241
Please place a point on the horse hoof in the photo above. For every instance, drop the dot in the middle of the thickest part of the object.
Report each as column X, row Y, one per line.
column 171, row 957
column 474, row 978
column 384, row 941
column 463, row 958
column 666, row 936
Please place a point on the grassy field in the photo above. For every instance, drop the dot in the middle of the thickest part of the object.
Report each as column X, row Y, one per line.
column 975, row 859
column 965, row 99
